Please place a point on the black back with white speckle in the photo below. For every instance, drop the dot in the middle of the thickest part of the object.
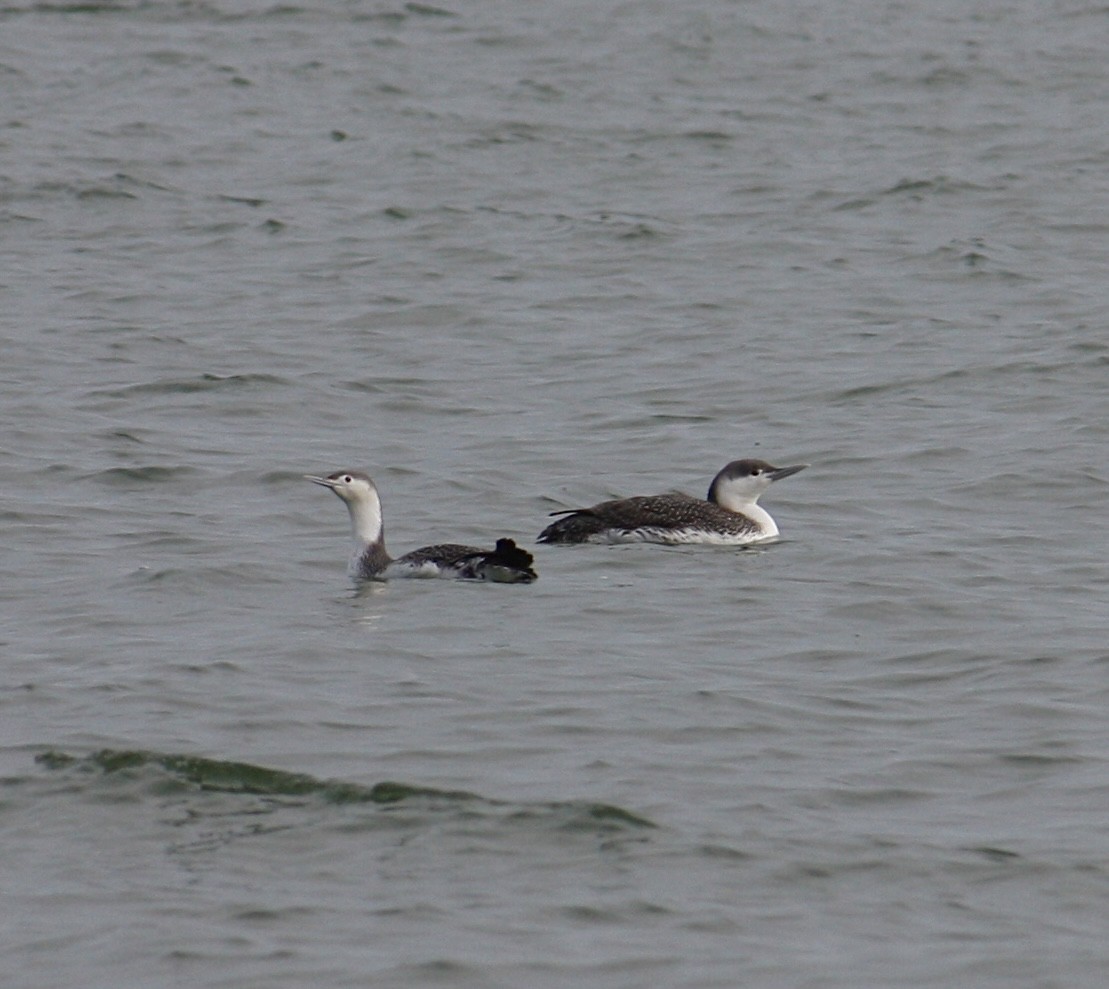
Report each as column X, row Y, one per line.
column 505, row 563
column 659, row 513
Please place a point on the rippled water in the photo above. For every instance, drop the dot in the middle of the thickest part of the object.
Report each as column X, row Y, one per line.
column 513, row 258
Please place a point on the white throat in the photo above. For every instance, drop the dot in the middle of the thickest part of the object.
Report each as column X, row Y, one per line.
column 744, row 503
column 761, row 517
column 365, row 520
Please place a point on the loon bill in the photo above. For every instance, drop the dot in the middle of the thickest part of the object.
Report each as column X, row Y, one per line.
column 728, row 516
column 506, row 563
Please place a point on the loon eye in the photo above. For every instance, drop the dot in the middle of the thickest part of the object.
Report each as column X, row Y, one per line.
column 347, row 479
column 756, row 471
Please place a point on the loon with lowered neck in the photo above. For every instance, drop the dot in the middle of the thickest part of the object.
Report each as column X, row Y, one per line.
column 506, row 563
column 729, row 516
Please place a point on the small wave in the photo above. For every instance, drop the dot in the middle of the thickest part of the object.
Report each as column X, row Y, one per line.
column 146, row 475
column 201, row 383
column 935, row 185
column 229, row 777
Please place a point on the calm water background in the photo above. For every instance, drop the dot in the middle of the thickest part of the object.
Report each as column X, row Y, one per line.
column 511, row 258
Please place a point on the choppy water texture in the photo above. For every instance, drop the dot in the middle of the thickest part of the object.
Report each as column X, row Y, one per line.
column 512, row 258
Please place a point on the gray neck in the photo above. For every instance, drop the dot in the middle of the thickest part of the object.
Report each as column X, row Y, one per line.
column 369, row 556
column 369, row 561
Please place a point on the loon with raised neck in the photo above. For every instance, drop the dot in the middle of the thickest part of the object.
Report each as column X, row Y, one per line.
column 729, row 516
column 506, row 563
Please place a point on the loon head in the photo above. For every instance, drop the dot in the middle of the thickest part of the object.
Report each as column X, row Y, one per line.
column 739, row 484
column 359, row 493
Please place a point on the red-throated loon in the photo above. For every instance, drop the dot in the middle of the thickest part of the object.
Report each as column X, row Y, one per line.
column 506, row 563
column 729, row 516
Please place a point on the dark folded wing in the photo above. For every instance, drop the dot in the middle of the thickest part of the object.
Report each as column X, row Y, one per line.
column 649, row 513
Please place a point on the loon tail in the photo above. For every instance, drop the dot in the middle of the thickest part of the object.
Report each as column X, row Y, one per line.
column 506, row 563
column 576, row 525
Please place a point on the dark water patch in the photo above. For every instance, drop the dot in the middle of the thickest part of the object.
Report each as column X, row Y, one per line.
column 994, row 854
column 1036, row 760
column 710, row 136
column 388, row 386
column 85, row 192
column 937, row 185
column 128, row 436
column 725, row 853
column 507, row 133
column 975, row 260
column 632, row 912
column 884, row 796
column 931, row 390
column 427, row 10
column 194, row 580
column 679, row 417
column 102, row 192
column 170, row 772
column 33, row 518
column 128, row 476
column 156, row 539
column 106, row 7
column 203, row 383
column 243, row 200
column 858, row 203
column 118, row 186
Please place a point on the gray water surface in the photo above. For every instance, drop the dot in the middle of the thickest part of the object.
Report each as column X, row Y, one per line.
column 513, row 258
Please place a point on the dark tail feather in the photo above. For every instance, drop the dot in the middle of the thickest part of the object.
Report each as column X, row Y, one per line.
column 507, row 564
column 575, row 526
